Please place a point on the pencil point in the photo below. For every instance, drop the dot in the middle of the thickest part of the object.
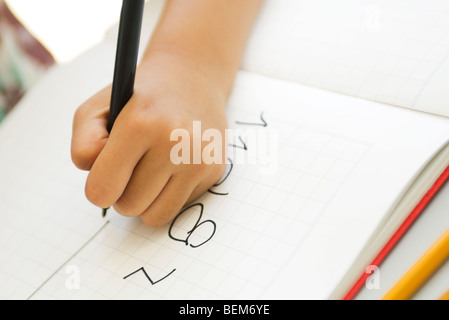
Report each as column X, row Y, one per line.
column 104, row 212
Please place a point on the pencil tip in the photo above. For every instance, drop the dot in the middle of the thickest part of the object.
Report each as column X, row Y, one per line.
column 104, row 212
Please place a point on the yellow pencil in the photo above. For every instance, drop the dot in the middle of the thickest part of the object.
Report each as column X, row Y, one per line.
column 445, row 296
column 421, row 270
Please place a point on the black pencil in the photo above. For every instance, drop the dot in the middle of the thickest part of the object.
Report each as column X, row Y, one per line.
column 125, row 59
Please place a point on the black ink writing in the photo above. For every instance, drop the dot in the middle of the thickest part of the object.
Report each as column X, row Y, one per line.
column 148, row 277
column 184, row 235
column 231, row 166
column 243, row 146
column 197, row 225
column 263, row 124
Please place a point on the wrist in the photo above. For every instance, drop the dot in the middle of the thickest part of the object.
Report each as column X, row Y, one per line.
column 193, row 61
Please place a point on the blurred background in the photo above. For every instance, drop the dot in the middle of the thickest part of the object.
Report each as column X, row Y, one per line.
column 35, row 35
column 66, row 27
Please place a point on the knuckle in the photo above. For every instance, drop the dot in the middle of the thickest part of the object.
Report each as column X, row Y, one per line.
column 212, row 173
column 218, row 172
column 140, row 120
column 126, row 208
column 154, row 219
column 159, row 124
column 213, row 176
column 82, row 156
column 81, row 112
column 167, row 124
column 96, row 194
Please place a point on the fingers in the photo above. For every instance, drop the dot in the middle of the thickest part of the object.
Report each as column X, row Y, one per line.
column 169, row 202
column 130, row 168
column 181, row 189
column 89, row 134
column 114, row 166
column 147, row 181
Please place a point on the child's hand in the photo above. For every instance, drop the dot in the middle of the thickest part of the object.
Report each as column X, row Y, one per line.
column 186, row 75
column 130, row 169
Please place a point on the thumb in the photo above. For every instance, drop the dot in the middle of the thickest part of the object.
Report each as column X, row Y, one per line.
column 89, row 134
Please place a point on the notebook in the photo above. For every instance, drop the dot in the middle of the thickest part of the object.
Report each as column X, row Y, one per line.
column 338, row 129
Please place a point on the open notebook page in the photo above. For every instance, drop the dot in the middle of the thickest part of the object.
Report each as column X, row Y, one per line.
column 284, row 226
column 394, row 52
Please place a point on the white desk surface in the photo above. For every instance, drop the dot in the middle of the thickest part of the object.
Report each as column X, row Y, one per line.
column 429, row 226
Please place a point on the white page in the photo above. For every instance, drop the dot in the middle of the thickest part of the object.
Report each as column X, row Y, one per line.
column 394, row 52
column 293, row 233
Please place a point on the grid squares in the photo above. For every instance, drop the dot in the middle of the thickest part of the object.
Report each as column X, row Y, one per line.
column 259, row 227
column 356, row 47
